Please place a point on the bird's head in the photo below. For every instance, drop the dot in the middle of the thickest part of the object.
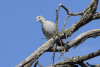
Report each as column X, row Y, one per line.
column 40, row 18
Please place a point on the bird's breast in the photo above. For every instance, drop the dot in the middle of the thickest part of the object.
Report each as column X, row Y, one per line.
column 48, row 30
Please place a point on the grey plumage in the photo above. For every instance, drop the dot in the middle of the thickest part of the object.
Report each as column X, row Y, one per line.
column 48, row 28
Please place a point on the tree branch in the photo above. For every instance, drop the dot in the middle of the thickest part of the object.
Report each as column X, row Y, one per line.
column 78, row 40
column 82, row 64
column 85, row 18
column 77, row 60
column 35, row 55
column 96, row 16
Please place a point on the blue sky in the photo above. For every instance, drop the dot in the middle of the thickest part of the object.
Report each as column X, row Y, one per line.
column 20, row 35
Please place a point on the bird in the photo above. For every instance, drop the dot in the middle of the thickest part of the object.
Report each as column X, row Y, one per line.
column 49, row 29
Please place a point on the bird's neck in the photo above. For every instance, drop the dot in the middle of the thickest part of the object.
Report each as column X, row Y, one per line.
column 42, row 21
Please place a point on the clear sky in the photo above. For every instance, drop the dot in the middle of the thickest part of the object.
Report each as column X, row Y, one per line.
column 20, row 35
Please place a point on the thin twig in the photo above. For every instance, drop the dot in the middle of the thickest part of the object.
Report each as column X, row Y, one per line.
column 57, row 19
column 53, row 55
column 65, row 22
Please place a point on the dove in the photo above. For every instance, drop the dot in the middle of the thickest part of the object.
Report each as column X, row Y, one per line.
column 48, row 29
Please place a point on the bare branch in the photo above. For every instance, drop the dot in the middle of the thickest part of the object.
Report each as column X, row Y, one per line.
column 89, row 56
column 35, row 64
column 69, row 13
column 77, row 60
column 57, row 19
column 85, row 18
column 81, row 38
column 98, row 65
column 56, row 50
column 65, row 23
column 29, row 64
column 35, row 55
column 82, row 64
column 96, row 16
column 78, row 40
